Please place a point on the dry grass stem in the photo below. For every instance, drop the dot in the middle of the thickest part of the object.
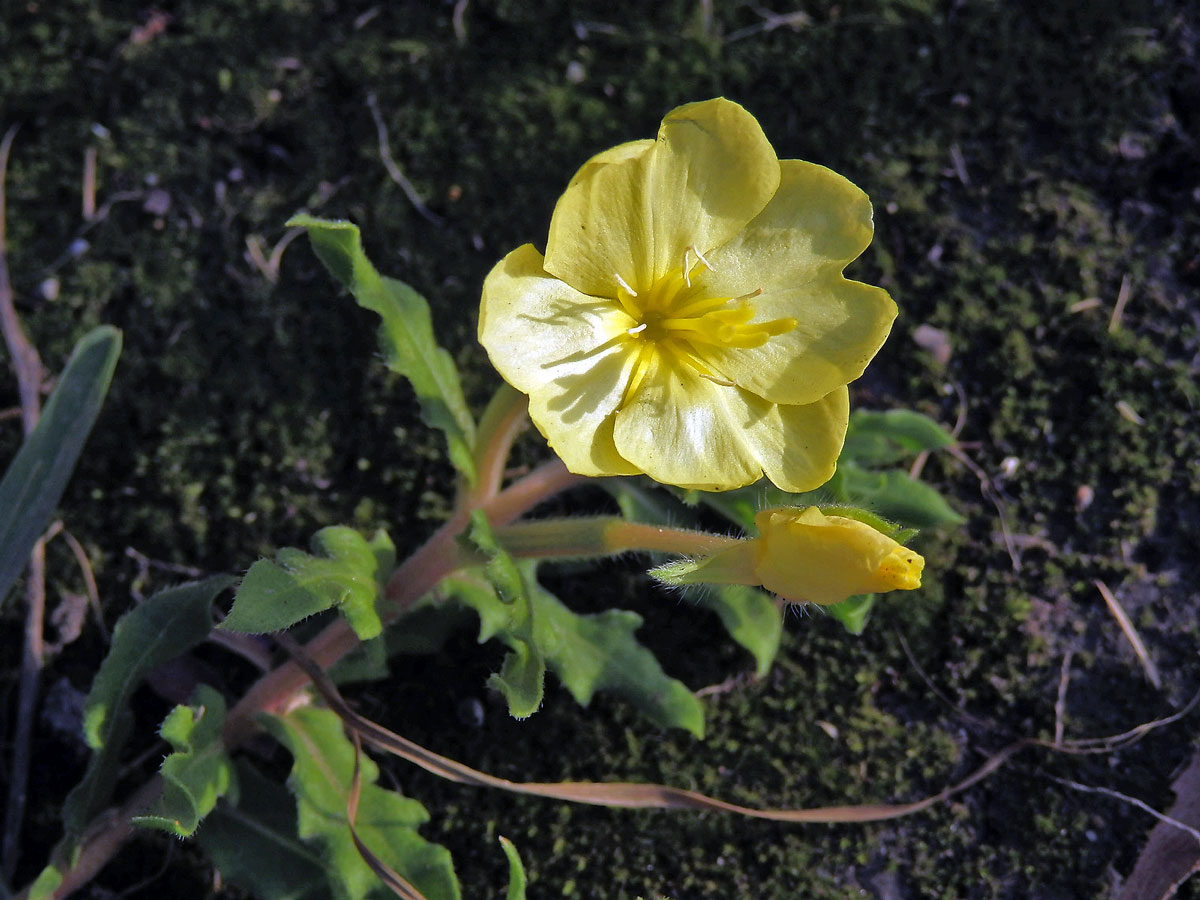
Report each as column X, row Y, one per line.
column 1130, row 633
column 389, row 163
column 89, row 184
column 1060, row 702
column 1114, row 322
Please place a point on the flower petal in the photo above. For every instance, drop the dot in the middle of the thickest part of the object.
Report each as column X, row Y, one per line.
column 633, row 210
column 840, row 326
column 681, row 429
column 564, row 349
column 794, row 251
column 798, row 446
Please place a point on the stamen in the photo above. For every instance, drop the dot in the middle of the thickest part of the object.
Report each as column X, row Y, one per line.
column 699, row 307
column 637, row 373
column 638, row 330
column 625, row 284
column 686, row 277
column 707, row 264
column 715, row 380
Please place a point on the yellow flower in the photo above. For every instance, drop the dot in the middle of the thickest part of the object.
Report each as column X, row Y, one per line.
column 804, row 555
column 690, row 320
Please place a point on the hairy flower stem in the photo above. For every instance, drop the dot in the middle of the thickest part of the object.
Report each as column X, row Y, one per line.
column 604, row 536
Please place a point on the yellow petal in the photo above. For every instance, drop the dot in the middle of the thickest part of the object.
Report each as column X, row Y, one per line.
column 798, row 446
column 794, row 251
column 561, row 347
column 805, row 555
column 633, row 210
column 684, row 430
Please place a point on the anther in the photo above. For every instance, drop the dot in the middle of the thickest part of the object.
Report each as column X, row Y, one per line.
column 623, row 283
column 638, row 330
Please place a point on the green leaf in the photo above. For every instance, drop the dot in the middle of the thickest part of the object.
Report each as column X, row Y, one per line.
column 501, row 570
column 161, row 628
column 506, row 612
column 255, row 846
column 893, row 495
column 852, row 612
column 199, row 772
column 349, row 573
column 46, row 884
column 750, row 616
column 516, row 872
column 406, row 334
column 588, row 653
column 882, row 438
column 322, row 767
column 38, row 474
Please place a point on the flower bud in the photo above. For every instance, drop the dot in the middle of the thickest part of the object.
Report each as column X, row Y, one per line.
column 804, row 555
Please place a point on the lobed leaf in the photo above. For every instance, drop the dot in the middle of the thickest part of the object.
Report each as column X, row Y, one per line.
column 199, row 772
column 254, row 844
column 588, row 653
column 322, row 771
column 405, row 335
column 503, row 603
column 161, row 628
column 38, row 475
column 346, row 571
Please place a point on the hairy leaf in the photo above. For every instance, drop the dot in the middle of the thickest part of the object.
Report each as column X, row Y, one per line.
column 37, row 476
column 254, row 844
column 199, row 772
column 322, row 769
column 164, row 626
column 588, row 653
column 406, row 333
column 346, row 571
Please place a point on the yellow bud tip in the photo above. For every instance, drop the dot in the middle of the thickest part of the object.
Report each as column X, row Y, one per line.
column 901, row 569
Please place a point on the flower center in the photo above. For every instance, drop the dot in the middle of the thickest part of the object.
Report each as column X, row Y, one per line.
column 680, row 324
